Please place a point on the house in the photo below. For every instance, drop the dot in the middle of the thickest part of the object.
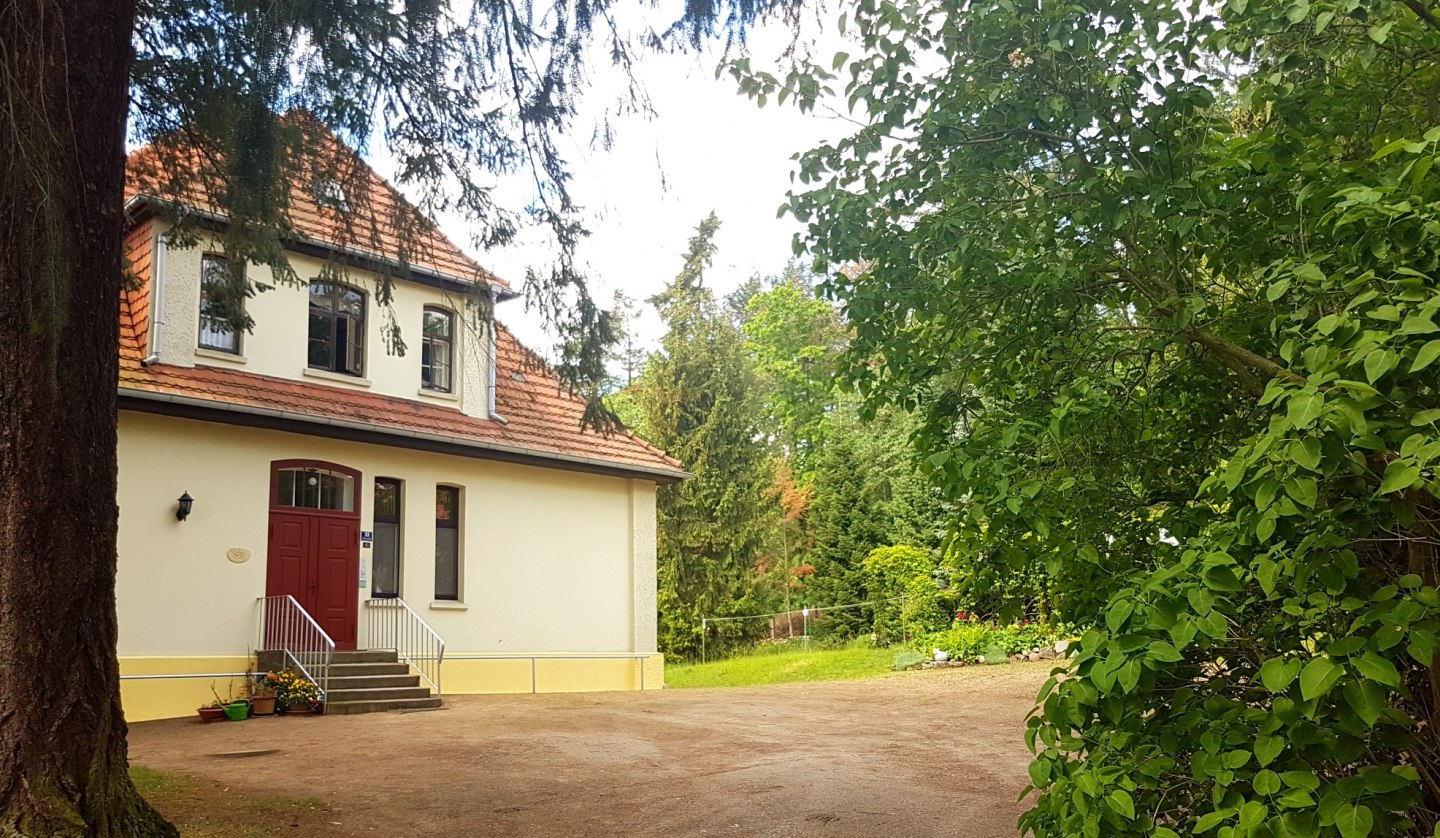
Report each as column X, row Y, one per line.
column 301, row 488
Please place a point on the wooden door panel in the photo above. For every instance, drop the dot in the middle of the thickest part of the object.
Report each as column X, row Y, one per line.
column 337, row 555
column 289, row 568
column 290, row 552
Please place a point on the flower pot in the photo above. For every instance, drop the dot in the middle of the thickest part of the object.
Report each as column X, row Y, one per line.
column 211, row 714
column 300, row 710
column 237, row 711
column 262, row 705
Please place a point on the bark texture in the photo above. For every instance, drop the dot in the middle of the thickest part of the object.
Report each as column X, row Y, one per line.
column 63, row 78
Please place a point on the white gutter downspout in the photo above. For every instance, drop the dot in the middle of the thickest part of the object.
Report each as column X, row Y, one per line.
column 490, row 383
column 158, row 304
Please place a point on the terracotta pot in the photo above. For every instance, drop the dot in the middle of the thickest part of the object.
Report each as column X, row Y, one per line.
column 211, row 714
column 300, row 710
column 262, row 706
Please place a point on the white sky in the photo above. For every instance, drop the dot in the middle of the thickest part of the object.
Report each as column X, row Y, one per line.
column 707, row 148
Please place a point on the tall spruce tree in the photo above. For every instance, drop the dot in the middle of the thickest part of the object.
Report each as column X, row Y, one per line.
column 698, row 401
column 848, row 522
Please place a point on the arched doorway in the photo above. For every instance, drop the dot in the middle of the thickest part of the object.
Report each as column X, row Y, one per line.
column 314, row 544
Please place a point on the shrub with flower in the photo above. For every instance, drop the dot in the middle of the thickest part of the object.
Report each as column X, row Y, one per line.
column 292, row 688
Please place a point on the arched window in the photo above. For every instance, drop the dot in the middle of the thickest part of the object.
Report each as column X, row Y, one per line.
column 337, row 329
column 313, row 486
column 437, row 350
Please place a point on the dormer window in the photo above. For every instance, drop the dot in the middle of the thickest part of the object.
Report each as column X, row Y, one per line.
column 329, row 193
column 437, row 350
column 337, row 329
column 217, row 331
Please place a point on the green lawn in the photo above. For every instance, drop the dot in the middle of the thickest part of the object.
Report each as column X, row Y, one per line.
column 779, row 668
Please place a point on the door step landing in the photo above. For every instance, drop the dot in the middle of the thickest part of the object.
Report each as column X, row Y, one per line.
column 369, row 682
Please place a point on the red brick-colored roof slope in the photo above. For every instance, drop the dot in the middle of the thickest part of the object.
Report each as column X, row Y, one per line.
column 542, row 418
column 372, row 222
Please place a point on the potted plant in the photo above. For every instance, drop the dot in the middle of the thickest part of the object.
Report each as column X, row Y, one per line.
column 262, row 694
column 234, row 709
column 212, row 712
column 294, row 693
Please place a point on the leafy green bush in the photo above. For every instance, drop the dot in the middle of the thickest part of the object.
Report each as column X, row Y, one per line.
column 969, row 639
column 891, row 574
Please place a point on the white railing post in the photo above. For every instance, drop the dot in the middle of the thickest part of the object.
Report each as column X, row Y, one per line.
column 285, row 626
column 392, row 624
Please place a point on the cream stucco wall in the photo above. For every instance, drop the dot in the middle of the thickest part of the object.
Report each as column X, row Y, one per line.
column 277, row 346
column 553, row 562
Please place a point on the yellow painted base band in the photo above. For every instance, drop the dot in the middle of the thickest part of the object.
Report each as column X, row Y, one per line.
column 467, row 675
column 167, row 698
column 145, row 699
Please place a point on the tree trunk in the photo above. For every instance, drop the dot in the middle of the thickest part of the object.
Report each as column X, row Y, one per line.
column 63, row 99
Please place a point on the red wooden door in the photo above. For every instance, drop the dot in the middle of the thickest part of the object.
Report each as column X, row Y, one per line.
column 337, row 574
column 314, row 554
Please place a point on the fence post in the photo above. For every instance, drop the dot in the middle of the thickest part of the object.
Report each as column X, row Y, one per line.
column 704, row 621
column 805, row 625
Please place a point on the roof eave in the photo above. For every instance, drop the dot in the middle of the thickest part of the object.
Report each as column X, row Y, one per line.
column 151, row 401
column 136, row 206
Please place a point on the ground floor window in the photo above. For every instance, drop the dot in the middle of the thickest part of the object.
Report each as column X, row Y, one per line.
column 385, row 559
column 447, row 543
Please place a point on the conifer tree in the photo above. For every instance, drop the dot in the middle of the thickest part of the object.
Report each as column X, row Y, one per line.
column 697, row 397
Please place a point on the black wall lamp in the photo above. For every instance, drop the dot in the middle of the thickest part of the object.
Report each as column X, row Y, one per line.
column 183, row 510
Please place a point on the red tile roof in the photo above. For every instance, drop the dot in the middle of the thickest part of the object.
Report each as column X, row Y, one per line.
column 378, row 220
column 542, row 418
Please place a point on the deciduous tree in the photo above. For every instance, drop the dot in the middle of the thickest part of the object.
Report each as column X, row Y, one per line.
column 1163, row 278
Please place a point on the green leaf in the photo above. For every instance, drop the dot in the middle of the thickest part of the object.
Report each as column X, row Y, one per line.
column 1378, row 363
column 1426, row 417
column 1303, row 490
column 1318, row 676
column 1118, row 613
column 1367, row 699
column 1122, row 803
column 1418, row 324
column 1354, row 820
column 1164, row 652
column 1378, row 33
column 1277, row 289
column 1303, row 408
column 1211, row 820
column 1221, row 578
column 1379, row 669
column 1306, row 453
column 1277, row 673
column 1267, row 748
column 1398, row 475
column 1265, row 528
column 1426, row 356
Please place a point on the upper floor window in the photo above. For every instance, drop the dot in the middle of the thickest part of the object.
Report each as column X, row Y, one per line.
column 437, row 351
column 337, row 329
column 219, row 294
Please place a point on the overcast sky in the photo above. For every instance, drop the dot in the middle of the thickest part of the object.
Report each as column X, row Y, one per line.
column 707, row 148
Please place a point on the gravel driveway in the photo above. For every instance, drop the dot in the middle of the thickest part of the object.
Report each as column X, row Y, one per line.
column 916, row 754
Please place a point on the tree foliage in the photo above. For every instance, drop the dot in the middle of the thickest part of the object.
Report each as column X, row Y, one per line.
column 1162, row 279
column 795, row 339
column 697, row 397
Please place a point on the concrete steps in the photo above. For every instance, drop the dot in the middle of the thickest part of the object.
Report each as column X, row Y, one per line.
column 370, row 682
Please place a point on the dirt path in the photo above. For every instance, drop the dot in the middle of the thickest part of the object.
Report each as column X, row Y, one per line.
column 920, row 754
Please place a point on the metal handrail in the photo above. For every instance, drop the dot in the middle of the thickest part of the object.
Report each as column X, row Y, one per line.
column 285, row 626
column 392, row 624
